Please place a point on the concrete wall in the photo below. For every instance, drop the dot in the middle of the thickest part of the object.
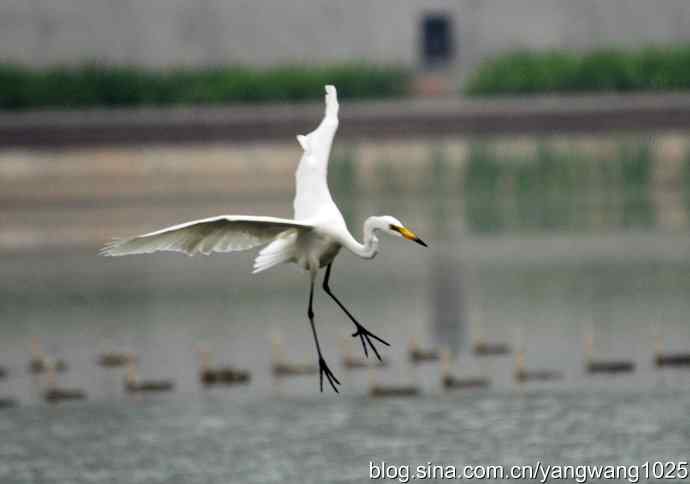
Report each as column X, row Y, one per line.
column 262, row 32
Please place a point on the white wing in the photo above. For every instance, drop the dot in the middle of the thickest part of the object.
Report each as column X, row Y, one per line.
column 225, row 233
column 311, row 177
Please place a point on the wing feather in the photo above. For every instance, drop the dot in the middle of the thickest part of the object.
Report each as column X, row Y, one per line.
column 311, row 178
column 226, row 233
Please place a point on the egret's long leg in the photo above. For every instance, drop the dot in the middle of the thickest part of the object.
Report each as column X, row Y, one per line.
column 364, row 334
column 323, row 367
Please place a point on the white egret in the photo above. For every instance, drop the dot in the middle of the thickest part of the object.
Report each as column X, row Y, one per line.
column 312, row 239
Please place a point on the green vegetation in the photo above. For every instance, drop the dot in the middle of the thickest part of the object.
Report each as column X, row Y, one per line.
column 94, row 85
column 528, row 72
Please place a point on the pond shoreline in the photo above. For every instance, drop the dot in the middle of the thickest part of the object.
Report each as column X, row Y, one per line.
column 359, row 120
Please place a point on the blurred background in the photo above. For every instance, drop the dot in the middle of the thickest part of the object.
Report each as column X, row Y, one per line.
column 540, row 148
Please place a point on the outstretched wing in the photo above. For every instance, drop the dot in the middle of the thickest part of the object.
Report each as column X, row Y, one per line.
column 225, row 233
column 311, row 176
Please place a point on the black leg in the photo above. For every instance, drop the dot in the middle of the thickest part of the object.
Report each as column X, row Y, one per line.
column 323, row 367
column 364, row 334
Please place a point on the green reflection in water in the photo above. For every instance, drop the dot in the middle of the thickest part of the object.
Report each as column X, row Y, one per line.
column 481, row 190
column 685, row 180
column 439, row 191
column 343, row 174
column 556, row 189
column 388, row 176
column 636, row 174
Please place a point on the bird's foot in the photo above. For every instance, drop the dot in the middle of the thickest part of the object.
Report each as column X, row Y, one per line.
column 324, row 370
column 365, row 337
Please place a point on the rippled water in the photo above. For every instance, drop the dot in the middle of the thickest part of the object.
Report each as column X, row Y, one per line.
column 515, row 257
column 227, row 438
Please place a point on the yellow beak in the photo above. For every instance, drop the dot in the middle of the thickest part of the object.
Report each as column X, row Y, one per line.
column 409, row 235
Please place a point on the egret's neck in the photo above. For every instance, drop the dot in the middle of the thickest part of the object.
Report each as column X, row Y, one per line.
column 370, row 247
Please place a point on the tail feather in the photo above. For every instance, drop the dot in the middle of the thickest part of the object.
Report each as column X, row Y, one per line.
column 277, row 252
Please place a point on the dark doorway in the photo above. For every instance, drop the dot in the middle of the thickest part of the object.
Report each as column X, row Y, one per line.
column 437, row 40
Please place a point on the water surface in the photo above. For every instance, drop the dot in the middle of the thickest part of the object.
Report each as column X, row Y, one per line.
column 539, row 252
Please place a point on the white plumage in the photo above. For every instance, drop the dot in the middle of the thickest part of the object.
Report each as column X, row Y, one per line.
column 280, row 251
column 225, row 233
column 312, row 239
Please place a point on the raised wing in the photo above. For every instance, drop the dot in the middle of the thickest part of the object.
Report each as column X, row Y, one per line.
column 311, row 177
column 226, row 233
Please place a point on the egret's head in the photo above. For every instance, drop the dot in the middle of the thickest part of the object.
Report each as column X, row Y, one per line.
column 395, row 227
